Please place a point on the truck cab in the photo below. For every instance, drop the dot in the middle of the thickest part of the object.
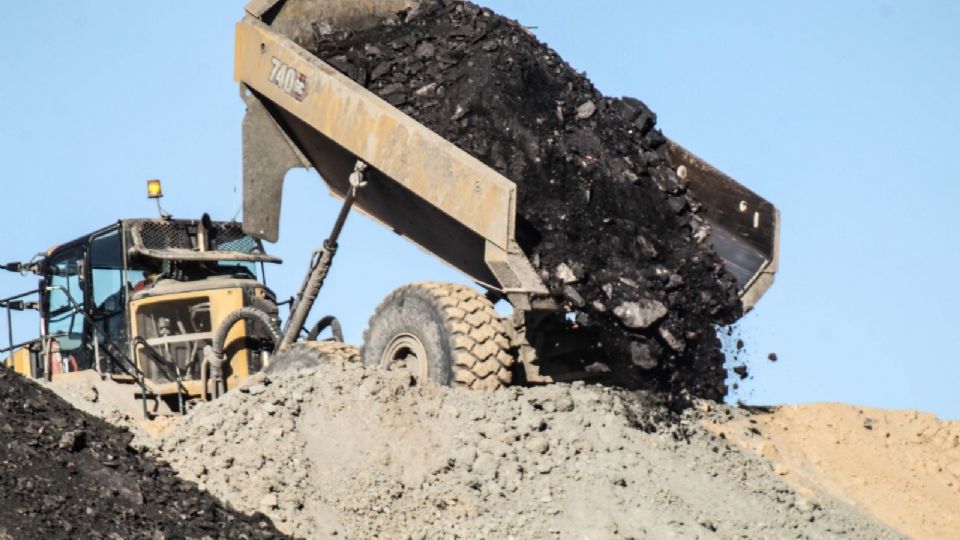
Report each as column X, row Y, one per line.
column 141, row 300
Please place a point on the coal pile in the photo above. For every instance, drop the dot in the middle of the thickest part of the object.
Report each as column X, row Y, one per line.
column 66, row 474
column 602, row 213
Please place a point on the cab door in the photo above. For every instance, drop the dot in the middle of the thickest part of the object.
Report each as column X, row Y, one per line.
column 108, row 296
column 63, row 313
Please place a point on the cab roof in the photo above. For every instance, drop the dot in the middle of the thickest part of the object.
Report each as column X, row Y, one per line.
column 181, row 240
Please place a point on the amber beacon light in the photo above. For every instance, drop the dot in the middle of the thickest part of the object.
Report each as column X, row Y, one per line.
column 154, row 189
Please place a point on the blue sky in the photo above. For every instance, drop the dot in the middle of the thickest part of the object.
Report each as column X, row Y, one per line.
column 844, row 114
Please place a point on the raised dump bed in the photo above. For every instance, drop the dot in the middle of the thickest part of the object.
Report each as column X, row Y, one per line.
column 304, row 113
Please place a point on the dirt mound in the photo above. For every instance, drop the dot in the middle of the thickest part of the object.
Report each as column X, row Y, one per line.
column 901, row 466
column 113, row 402
column 365, row 453
column 66, row 474
column 602, row 214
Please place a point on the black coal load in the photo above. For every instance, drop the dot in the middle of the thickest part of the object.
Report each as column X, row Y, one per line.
column 602, row 213
column 66, row 474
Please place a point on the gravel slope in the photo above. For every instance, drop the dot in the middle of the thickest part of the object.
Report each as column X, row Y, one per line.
column 361, row 453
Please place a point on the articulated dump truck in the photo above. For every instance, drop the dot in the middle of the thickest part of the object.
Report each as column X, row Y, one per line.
column 175, row 311
column 302, row 112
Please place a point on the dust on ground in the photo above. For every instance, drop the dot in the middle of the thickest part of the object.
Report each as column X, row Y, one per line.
column 901, row 466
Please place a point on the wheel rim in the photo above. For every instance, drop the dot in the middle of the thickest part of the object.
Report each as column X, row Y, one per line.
column 407, row 350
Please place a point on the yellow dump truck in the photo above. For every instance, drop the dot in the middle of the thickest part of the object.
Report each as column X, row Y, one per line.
column 178, row 307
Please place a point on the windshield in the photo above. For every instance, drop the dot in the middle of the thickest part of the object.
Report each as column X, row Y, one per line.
column 237, row 267
column 231, row 238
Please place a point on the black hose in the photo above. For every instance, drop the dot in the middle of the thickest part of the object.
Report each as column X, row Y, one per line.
column 322, row 324
column 220, row 337
column 244, row 313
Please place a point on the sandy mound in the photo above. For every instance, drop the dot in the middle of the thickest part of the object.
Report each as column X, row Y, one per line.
column 901, row 466
column 365, row 453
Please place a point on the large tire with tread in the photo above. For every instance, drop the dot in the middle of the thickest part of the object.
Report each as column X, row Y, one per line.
column 449, row 332
column 310, row 354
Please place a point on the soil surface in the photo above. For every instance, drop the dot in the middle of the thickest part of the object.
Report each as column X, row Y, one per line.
column 113, row 402
column 901, row 466
column 602, row 214
column 66, row 474
column 361, row 453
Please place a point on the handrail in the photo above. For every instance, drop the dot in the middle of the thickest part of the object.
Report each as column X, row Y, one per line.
column 137, row 373
column 162, row 362
column 7, row 303
column 18, row 346
column 18, row 296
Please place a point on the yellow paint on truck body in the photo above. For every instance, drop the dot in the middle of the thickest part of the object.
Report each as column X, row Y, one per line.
column 439, row 174
column 222, row 303
column 428, row 165
column 19, row 362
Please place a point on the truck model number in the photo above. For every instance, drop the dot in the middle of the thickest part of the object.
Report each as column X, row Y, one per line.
column 289, row 80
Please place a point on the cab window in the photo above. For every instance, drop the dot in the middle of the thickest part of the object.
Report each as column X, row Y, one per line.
column 106, row 272
column 64, row 321
column 108, row 295
column 237, row 267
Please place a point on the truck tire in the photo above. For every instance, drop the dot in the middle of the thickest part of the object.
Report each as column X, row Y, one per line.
column 310, row 354
column 446, row 332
